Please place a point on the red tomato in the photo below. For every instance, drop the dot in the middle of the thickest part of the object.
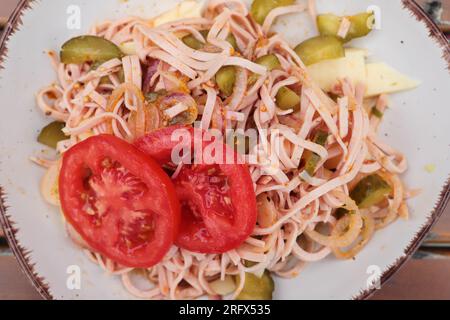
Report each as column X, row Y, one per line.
column 160, row 143
column 218, row 201
column 119, row 200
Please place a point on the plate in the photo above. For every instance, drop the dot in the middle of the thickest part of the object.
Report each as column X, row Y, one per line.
column 417, row 123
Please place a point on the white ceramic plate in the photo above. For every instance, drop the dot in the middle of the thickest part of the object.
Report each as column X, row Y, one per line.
column 418, row 123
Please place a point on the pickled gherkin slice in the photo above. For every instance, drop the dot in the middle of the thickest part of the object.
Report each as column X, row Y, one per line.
column 287, row 99
column 361, row 25
column 192, row 42
column 320, row 48
column 256, row 288
column 261, row 8
column 370, row 191
column 89, row 49
column 52, row 134
column 328, row 24
column 313, row 159
column 270, row 61
column 225, row 79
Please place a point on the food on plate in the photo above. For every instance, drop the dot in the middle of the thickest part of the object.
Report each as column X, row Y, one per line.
column 119, row 201
column 370, row 191
column 218, row 200
column 203, row 150
column 382, row 78
column 260, row 9
column 313, row 159
column 320, row 48
column 226, row 79
column 356, row 26
column 257, row 287
column 52, row 134
column 89, row 49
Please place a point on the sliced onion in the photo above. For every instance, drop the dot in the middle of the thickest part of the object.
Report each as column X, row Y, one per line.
column 187, row 117
column 366, row 234
column 394, row 204
column 76, row 237
column 49, row 185
column 403, row 211
column 308, row 254
column 116, row 96
column 352, row 222
column 152, row 119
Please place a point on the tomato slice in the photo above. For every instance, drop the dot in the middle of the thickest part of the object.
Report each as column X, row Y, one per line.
column 160, row 143
column 218, row 202
column 119, row 200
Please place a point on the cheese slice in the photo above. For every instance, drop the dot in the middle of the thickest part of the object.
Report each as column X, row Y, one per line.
column 379, row 77
column 382, row 78
column 353, row 66
column 183, row 10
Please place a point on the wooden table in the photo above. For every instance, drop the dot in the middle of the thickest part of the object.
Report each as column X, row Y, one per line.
column 426, row 276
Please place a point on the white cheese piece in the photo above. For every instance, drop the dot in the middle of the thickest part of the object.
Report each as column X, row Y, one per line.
column 379, row 77
column 353, row 66
column 382, row 78
column 184, row 10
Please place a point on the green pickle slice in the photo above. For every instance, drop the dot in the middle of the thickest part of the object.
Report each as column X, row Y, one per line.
column 225, row 79
column 320, row 48
column 256, row 288
column 89, row 49
column 287, row 99
column 361, row 25
column 270, row 61
column 52, row 134
column 370, row 191
column 313, row 159
column 261, row 8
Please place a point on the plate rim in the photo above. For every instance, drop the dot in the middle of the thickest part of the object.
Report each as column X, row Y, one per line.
column 22, row 254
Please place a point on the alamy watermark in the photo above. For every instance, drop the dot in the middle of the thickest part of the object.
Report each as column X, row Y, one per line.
column 374, row 21
column 73, row 281
column 374, row 280
column 73, row 17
